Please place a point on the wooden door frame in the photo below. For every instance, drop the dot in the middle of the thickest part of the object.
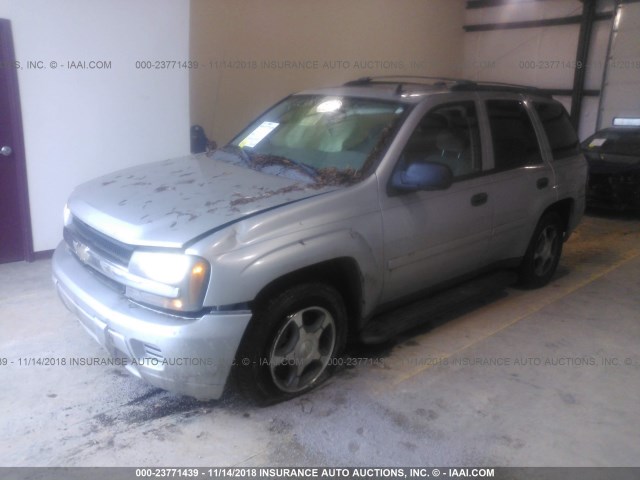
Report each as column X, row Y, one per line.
column 15, row 115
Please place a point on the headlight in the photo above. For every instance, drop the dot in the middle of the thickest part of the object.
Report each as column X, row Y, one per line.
column 174, row 281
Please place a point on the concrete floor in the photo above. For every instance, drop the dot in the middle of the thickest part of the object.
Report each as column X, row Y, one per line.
column 548, row 377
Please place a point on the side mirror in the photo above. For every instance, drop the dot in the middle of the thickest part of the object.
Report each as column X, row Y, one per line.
column 199, row 141
column 422, row 176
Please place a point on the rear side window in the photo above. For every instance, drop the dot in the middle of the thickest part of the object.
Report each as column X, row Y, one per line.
column 515, row 143
column 557, row 126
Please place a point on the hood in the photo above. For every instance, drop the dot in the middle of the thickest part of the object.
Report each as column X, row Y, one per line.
column 612, row 163
column 169, row 203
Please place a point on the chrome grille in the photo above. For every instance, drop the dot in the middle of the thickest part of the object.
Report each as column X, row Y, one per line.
column 105, row 246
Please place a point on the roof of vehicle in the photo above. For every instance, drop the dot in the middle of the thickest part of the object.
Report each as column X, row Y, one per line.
column 618, row 140
column 415, row 88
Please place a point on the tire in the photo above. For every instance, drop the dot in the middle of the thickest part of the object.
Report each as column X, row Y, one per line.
column 291, row 343
column 543, row 253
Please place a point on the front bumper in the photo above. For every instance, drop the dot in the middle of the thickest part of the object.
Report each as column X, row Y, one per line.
column 614, row 187
column 188, row 356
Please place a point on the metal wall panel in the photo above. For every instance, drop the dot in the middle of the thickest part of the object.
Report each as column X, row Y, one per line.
column 621, row 88
column 543, row 56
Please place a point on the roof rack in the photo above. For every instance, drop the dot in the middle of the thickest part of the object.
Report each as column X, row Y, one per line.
column 497, row 87
column 454, row 84
column 400, row 79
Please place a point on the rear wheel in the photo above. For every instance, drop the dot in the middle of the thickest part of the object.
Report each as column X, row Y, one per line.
column 290, row 343
column 544, row 251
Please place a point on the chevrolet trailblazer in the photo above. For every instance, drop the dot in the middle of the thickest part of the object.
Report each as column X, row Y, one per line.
column 255, row 261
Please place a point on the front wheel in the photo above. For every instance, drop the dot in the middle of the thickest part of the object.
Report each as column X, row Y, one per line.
column 544, row 251
column 291, row 342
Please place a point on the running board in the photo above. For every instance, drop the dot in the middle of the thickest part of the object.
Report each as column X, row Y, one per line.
column 390, row 324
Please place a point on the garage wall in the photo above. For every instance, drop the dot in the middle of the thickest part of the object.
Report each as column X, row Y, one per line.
column 242, row 47
column 543, row 56
column 82, row 122
column 621, row 90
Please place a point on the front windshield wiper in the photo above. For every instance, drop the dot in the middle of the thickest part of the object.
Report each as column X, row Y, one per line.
column 321, row 176
column 264, row 160
column 240, row 152
column 261, row 160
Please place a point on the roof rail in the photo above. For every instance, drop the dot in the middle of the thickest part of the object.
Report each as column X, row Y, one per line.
column 497, row 87
column 454, row 84
column 400, row 79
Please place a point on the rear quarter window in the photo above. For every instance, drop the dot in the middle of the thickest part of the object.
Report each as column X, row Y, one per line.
column 562, row 137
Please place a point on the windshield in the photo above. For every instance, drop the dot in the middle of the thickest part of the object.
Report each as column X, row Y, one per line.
column 329, row 140
column 615, row 141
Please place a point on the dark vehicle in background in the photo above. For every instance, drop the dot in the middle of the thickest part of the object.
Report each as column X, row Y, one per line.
column 613, row 155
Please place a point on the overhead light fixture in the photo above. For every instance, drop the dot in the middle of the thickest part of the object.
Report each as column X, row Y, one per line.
column 329, row 106
column 626, row 122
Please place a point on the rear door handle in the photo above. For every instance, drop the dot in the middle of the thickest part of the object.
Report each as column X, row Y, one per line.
column 479, row 199
column 542, row 183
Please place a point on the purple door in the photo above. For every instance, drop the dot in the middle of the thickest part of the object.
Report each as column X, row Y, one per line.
column 15, row 229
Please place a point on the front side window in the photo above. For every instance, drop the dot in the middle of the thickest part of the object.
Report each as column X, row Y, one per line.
column 557, row 126
column 327, row 140
column 448, row 135
column 515, row 143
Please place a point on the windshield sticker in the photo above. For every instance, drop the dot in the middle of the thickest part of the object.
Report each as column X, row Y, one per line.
column 255, row 137
column 597, row 142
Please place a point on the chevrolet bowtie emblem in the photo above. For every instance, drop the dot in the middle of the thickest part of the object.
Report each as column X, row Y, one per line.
column 82, row 251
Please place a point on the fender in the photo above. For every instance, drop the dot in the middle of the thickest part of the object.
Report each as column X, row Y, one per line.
column 263, row 263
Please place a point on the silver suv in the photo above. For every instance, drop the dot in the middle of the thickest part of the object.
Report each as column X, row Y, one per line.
column 253, row 262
